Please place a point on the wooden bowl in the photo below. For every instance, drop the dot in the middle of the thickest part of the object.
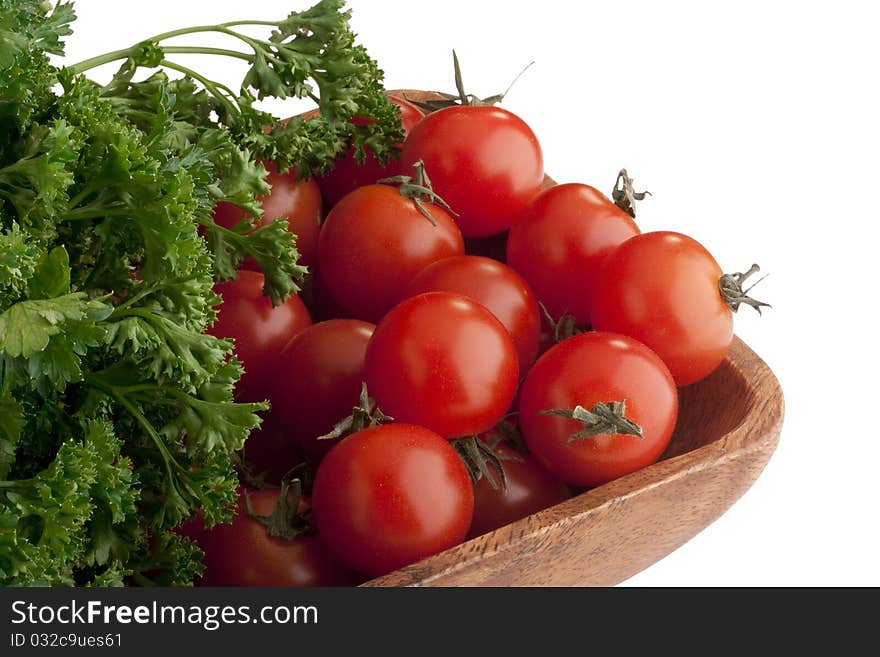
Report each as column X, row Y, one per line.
column 728, row 428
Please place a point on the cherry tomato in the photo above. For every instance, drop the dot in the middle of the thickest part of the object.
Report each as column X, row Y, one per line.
column 348, row 174
column 485, row 162
column 260, row 331
column 582, row 371
column 497, row 287
column 242, row 553
column 662, row 289
column 318, row 381
column 559, row 242
column 388, row 496
column 530, row 488
column 373, row 244
column 298, row 201
column 443, row 361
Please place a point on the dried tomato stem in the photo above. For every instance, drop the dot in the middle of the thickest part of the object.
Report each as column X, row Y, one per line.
column 563, row 328
column 601, row 419
column 365, row 414
column 732, row 291
column 624, row 194
column 284, row 521
column 459, row 84
column 462, row 97
column 419, row 188
column 477, row 457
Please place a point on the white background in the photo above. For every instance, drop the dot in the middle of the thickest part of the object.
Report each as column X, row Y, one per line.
column 755, row 126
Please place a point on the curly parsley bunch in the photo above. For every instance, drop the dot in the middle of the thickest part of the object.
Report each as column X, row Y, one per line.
column 117, row 419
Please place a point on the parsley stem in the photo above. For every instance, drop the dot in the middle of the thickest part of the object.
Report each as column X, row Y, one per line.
column 199, row 50
column 84, row 193
column 223, row 28
column 100, row 60
column 211, row 86
column 127, row 53
column 101, row 213
column 171, row 465
column 256, row 44
column 237, row 23
column 142, row 387
column 228, row 232
column 147, row 291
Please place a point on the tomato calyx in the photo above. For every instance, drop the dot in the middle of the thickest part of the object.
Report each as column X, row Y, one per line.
column 480, row 459
column 624, row 194
column 259, row 481
column 462, row 98
column 508, row 433
column 733, row 293
column 246, row 471
column 601, row 419
column 285, row 521
column 418, row 188
column 365, row 415
column 563, row 328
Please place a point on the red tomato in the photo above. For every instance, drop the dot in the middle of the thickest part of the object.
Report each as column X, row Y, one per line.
column 298, row 201
column 559, row 242
column 318, row 381
column 485, row 162
column 662, row 289
column 530, row 488
column 373, row 244
column 593, row 368
column 348, row 174
column 497, row 287
column 243, row 554
column 391, row 495
column 443, row 361
column 259, row 330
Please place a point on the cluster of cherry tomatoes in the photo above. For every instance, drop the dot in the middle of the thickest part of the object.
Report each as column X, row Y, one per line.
column 475, row 344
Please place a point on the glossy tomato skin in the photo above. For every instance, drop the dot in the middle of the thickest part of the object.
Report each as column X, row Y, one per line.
column 496, row 286
column 530, row 488
column 559, row 242
column 391, row 495
column 443, row 361
column 485, row 162
column 348, row 174
column 582, row 371
column 297, row 201
column 318, row 381
column 243, row 554
column 260, row 331
column 373, row 244
column 662, row 289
